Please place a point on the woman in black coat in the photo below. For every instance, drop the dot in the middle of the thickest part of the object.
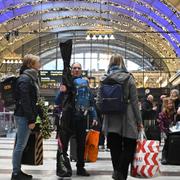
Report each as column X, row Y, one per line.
column 27, row 92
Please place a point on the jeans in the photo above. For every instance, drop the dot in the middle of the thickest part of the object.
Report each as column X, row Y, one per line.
column 22, row 137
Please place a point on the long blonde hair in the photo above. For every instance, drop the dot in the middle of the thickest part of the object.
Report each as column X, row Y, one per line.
column 117, row 60
column 165, row 106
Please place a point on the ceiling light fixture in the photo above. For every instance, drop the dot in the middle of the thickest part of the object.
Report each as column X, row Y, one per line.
column 100, row 32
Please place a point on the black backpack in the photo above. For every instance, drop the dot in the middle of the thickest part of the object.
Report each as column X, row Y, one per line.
column 8, row 91
column 7, row 87
column 113, row 98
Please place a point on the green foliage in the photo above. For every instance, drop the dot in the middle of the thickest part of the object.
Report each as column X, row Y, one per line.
column 45, row 124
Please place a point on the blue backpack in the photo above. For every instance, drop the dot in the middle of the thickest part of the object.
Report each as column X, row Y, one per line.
column 112, row 97
column 82, row 97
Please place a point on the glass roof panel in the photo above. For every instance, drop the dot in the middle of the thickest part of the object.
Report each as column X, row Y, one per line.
column 141, row 8
column 138, row 8
column 1, row 5
column 40, row 7
column 159, row 19
column 176, row 20
column 6, row 16
column 8, row 3
column 162, row 7
column 23, row 10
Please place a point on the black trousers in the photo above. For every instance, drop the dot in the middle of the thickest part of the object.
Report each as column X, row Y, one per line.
column 122, row 152
column 78, row 126
column 165, row 149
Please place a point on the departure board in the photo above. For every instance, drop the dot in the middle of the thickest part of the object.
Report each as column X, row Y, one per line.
column 53, row 78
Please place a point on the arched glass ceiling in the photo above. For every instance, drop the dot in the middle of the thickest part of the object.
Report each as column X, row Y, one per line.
column 154, row 13
column 132, row 50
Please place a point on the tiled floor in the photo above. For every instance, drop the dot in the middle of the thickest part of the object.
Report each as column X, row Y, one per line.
column 102, row 169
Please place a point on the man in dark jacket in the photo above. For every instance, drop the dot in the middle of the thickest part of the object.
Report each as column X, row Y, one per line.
column 74, row 122
column 148, row 111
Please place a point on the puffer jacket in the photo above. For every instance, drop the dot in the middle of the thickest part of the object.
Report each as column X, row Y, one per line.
column 26, row 96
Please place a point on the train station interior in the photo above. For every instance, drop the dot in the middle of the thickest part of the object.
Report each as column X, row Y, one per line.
column 146, row 33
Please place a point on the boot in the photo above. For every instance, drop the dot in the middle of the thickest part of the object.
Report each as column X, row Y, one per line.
column 20, row 176
column 117, row 175
column 163, row 159
column 82, row 172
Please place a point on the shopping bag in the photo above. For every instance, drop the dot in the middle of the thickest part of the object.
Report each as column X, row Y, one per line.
column 91, row 146
column 63, row 166
column 33, row 152
column 146, row 161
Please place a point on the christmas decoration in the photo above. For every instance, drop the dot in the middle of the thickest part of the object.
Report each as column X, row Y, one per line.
column 43, row 119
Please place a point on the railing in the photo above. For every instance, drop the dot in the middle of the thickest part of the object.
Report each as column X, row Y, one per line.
column 7, row 123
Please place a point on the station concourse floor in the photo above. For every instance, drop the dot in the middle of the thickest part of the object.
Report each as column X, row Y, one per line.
column 100, row 170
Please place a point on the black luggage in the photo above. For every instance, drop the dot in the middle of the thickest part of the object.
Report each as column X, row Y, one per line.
column 152, row 130
column 153, row 133
column 73, row 148
column 173, row 156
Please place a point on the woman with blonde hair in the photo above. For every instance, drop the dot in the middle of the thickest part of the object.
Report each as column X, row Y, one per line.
column 165, row 119
column 121, row 129
column 27, row 93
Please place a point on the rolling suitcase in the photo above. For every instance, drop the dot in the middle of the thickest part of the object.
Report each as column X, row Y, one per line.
column 152, row 130
column 173, row 149
column 153, row 133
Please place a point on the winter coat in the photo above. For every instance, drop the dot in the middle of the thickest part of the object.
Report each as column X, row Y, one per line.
column 164, row 121
column 124, row 124
column 147, row 110
column 27, row 92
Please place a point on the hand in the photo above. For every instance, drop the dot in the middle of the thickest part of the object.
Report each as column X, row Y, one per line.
column 31, row 126
column 154, row 108
column 178, row 111
column 94, row 123
column 63, row 88
column 163, row 135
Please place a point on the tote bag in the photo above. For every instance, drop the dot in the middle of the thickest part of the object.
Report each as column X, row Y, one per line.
column 33, row 152
column 146, row 161
column 91, row 146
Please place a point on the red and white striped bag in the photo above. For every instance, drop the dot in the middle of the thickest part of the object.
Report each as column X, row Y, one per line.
column 146, row 161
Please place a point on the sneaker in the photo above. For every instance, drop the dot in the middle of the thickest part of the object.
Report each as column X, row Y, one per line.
column 20, row 176
column 82, row 172
column 101, row 148
column 164, row 162
column 26, row 175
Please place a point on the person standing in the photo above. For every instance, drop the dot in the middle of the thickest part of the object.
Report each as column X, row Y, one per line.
column 122, row 129
column 148, row 109
column 74, row 119
column 174, row 94
column 27, row 93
